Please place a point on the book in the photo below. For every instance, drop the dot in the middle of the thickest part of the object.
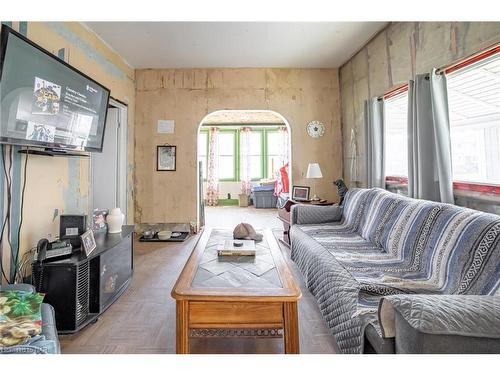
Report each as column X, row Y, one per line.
column 228, row 248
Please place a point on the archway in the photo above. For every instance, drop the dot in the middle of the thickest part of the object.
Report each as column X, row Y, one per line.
column 229, row 120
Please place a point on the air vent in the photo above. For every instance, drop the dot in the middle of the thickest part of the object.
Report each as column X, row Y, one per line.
column 82, row 292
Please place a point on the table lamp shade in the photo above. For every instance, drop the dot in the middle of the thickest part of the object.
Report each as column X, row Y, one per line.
column 314, row 171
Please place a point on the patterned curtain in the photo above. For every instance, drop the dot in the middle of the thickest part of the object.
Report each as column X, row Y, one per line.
column 285, row 143
column 213, row 168
column 245, row 160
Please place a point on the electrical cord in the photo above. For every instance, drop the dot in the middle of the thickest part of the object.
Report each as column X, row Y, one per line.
column 7, row 213
column 21, row 217
column 25, row 264
column 8, row 177
column 6, row 220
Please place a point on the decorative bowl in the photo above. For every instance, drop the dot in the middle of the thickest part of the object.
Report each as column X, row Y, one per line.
column 164, row 235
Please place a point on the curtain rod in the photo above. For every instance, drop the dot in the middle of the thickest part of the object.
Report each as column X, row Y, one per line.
column 470, row 59
column 456, row 65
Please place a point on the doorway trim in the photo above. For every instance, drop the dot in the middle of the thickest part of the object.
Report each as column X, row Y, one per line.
column 285, row 121
column 122, row 151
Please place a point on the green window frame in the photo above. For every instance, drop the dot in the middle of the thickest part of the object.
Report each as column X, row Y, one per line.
column 264, row 152
column 261, row 154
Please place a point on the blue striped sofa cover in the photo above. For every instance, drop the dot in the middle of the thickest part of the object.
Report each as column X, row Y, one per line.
column 384, row 249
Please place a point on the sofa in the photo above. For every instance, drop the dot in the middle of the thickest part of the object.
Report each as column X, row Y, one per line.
column 47, row 342
column 393, row 274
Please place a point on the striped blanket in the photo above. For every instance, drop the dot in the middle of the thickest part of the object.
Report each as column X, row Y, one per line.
column 389, row 244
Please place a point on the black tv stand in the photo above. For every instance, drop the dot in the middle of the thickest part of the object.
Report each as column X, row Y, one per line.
column 80, row 287
column 53, row 152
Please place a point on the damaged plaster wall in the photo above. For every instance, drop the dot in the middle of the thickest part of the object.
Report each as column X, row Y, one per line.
column 393, row 57
column 62, row 185
column 187, row 95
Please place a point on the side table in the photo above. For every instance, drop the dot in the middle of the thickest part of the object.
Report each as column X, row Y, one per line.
column 284, row 216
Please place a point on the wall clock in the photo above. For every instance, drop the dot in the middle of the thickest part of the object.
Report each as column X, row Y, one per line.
column 315, row 129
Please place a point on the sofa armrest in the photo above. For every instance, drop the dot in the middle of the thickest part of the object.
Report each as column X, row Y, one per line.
column 309, row 214
column 19, row 287
column 441, row 323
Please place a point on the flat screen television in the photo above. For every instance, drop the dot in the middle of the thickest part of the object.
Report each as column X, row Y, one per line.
column 45, row 102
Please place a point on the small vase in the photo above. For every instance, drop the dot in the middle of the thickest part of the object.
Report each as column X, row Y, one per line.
column 115, row 220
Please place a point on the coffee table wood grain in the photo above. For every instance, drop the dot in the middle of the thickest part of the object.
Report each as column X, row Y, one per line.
column 231, row 297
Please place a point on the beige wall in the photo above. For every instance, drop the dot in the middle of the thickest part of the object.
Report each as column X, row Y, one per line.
column 187, row 95
column 394, row 56
column 61, row 185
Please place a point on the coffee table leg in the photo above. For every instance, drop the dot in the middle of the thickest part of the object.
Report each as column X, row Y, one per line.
column 182, row 324
column 291, row 328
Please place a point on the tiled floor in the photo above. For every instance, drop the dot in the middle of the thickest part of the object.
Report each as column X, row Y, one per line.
column 230, row 216
column 142, row 320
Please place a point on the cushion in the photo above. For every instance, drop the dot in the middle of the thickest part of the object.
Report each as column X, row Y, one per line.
column 20, row 316
column 462, row 315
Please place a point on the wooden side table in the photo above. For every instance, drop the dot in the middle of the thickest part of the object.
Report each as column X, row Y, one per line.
column 284, row 216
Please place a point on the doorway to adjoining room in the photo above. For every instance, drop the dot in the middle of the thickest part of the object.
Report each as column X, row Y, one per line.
column 244, row 168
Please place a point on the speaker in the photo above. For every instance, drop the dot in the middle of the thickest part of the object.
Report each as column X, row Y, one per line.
column 71, row 227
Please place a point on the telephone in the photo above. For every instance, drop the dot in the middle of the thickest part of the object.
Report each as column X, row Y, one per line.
column 41, row 250
column 47, row 250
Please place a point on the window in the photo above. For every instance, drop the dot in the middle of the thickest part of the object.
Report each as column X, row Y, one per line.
column 227, row 153
column 474, row 107
column 255, row 154
column 275, row 157
column 396, row 139
column 203, row 152
column 265, row 153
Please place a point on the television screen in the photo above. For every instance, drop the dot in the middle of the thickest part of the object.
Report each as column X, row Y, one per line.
column 45, row 102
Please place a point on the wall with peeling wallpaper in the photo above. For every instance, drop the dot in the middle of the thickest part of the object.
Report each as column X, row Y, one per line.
column 393, row 57
column 187, row 95
column 61, row 185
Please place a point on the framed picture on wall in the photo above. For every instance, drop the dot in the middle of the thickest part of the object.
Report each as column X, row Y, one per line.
column 165, row 158
column 300, row 193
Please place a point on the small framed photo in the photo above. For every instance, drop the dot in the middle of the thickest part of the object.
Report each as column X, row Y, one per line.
column 99, row 220
column 300, row 193
column 88, row 242
column 165, row 158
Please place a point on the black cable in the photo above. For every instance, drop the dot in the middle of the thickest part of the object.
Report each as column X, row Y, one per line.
column 6, row 215
column 9, row 204
column 21, row 215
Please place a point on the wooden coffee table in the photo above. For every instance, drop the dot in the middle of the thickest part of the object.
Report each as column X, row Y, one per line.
column 236, row 297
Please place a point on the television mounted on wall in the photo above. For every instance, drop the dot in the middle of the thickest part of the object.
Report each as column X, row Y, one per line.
column 45, row 102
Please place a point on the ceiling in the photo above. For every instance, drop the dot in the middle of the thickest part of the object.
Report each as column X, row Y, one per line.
column 235, row 44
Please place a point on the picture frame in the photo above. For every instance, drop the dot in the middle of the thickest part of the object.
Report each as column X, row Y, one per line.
column 300, row 193
column 99, row 223
column 166, row 156
column 88, row 242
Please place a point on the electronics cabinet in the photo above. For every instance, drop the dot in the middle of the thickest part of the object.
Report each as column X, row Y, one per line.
column 81, row 288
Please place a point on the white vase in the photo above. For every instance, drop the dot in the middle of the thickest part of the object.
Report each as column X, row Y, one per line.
column 115, row 220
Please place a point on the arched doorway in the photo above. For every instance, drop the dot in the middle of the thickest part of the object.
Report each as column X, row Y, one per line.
column 262, row 145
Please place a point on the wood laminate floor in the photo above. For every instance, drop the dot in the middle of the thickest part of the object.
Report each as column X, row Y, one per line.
column 142, row 320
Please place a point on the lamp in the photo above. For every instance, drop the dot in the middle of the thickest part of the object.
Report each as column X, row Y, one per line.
column 314, row 171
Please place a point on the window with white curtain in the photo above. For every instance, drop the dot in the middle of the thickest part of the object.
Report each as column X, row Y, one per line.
column 255, row 155
column 227, row 154
column 275, row 157
column 396, row 135
column 474, row 107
